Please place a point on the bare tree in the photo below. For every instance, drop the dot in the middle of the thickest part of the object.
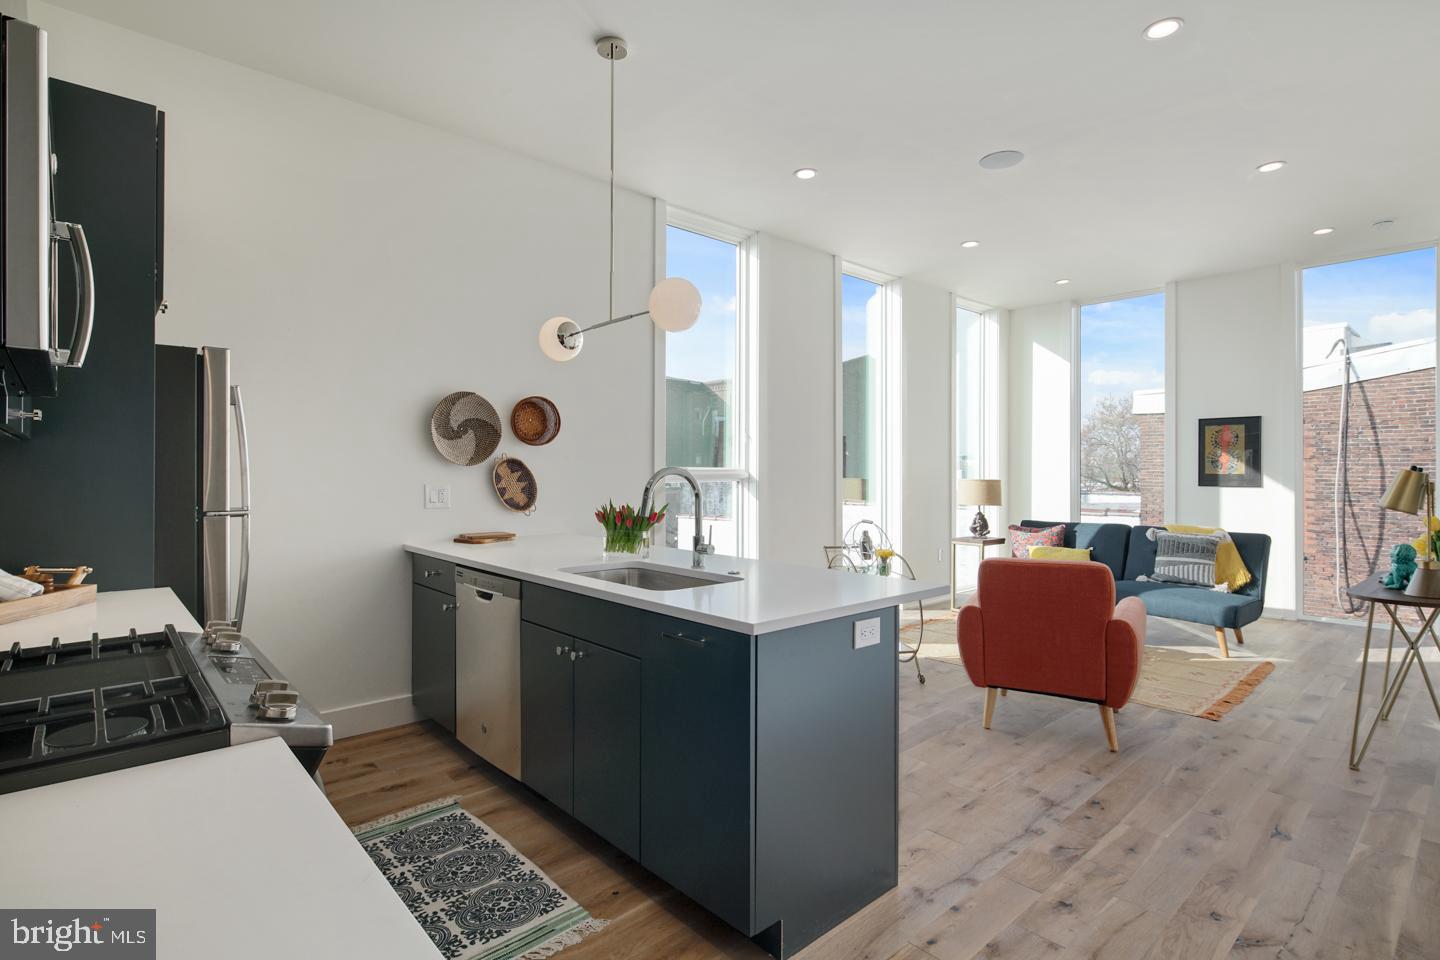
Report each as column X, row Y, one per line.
column 1110, row 446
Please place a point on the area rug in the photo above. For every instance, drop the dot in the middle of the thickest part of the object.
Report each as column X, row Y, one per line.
column 475, row 897
column 1170, row 679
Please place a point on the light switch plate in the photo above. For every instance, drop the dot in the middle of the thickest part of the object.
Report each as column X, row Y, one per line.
column 437, row 498
column 867, row 632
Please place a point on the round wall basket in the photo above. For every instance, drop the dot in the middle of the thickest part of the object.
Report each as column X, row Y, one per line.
column 535, row 420
column 465, row 428
column 515, row 484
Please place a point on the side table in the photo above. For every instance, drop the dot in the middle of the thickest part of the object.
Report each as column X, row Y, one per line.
column 981, row 542
column 1371, row 592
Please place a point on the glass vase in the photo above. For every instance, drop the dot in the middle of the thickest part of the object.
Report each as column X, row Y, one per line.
column 626, row 545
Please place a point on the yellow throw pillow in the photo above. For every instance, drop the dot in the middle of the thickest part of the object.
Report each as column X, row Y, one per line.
column 1229, row 568
column 1060, row 553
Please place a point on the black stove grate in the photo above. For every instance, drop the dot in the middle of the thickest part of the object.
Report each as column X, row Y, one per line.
column 71, row 701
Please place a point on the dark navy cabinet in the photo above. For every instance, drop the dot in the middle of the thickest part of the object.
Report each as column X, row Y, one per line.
column 607, row 744
column 432, row 654
column 547, row 714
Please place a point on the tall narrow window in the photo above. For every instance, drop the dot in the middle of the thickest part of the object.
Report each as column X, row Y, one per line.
column 1122, row 410
column 970, row 412
column 705, row 381
column 1368, row 351
column 862, row 374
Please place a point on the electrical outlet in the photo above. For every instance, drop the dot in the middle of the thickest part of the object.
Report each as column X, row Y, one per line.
column 867, row 632
column 437, row 498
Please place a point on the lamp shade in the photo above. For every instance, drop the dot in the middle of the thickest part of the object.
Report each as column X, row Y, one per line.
column 1407, row 493
column 979, row 493
column 674, row 304
column 553, row 347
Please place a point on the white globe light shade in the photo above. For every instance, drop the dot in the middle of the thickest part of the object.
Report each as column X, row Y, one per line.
column 674, row 304
column 551, row 344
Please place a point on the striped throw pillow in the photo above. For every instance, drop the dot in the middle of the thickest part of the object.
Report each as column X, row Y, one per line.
column 1186, row 558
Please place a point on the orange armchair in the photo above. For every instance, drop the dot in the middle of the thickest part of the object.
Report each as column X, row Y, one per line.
column 1052, row 627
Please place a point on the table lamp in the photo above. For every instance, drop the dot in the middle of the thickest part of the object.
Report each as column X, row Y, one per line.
column 980, row 493
column 1412, row 491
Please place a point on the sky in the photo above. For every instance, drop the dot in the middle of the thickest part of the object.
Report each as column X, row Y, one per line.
column 1122, row 347
column 707, row 350
column 1385, row 299
column 855, row 297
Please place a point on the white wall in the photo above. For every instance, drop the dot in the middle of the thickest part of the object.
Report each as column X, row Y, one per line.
column 1237, row 350
column 1038, row 402
column 928, row 318
column 362, row 266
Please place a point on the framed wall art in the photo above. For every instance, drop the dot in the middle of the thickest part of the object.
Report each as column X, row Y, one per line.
column 1230, row 452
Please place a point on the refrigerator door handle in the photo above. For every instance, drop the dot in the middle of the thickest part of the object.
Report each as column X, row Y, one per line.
column 74, row 235
column 243, row 442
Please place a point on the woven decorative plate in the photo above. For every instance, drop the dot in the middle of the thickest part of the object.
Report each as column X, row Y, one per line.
column 465, row 428
column 515, row 485
column 535, row 420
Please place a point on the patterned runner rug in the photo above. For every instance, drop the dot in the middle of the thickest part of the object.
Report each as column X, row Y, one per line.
column 1178, row 680
column 475, row 897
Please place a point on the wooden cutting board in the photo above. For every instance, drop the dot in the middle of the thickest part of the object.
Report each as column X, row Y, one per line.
column 494, row 536
column 13, row 610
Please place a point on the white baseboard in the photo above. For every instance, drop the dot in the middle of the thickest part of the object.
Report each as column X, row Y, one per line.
column 361, row 718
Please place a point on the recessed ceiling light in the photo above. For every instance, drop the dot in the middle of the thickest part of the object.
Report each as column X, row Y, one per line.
column 1062, row 281
column 1270, row 166
column 970, row 244
column 1001, row 159
column 805, row 173
column 1161, row 29
column 1323, row 231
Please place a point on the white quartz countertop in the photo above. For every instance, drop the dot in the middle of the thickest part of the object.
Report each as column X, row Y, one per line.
column 236, row 849
column 111, row 615
column 771, row 596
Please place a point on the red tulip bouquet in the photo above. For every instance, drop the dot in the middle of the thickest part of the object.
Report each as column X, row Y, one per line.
column 625, row 530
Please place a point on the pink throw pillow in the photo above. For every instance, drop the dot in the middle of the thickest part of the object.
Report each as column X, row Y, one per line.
column 1023, row 538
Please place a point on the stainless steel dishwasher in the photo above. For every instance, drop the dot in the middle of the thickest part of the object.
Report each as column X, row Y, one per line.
column 487, row 667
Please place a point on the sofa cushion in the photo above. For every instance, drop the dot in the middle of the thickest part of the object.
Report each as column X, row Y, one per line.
column 1196, row 604
column 1107, row 541
column 1022, row 538
column 1185, row 558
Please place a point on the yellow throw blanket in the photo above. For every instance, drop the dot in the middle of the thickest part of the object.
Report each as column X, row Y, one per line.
column 1229, row 568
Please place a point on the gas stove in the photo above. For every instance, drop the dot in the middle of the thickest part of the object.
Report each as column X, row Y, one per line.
column 70, row 710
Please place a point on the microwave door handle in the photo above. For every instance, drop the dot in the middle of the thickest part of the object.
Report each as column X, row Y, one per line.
column 243, row 442
column 74, row 235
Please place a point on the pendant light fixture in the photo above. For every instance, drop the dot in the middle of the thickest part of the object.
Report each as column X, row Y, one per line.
column 674, row 302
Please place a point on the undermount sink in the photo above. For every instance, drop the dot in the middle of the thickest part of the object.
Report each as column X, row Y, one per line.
column 652, row 576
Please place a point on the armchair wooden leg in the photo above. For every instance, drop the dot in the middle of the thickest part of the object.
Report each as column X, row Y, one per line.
column 1107, row 717
column 1239, row 637
column 1220, row 639
column 989, row 705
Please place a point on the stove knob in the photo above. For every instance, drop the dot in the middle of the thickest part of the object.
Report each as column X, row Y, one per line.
column 280, row 705
column 265, row 688
column 226, row 643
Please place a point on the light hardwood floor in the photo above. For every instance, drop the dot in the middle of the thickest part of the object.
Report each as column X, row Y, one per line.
column 1245, row 838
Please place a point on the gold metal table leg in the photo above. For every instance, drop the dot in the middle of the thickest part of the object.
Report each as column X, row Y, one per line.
column 1360, row 694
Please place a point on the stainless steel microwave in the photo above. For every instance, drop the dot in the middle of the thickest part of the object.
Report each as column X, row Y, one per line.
column 31, row 354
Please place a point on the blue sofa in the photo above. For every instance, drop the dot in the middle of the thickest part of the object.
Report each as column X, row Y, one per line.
column 1130, row 554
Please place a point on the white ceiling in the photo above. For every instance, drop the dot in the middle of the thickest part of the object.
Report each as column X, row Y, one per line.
column 1140, row 155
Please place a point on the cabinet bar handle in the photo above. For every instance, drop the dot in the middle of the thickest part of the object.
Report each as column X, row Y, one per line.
column 430, row 573
column 696, row 641
column 447, row 607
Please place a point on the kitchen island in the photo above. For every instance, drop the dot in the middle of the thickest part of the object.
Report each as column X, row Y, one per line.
column 737, row 738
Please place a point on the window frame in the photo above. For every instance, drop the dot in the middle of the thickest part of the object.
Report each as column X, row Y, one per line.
column 745, row 401
column 891, row 507
column 987, row 419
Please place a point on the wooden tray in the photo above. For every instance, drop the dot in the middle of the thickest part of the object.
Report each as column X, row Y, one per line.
column 13, row 610
column 498, row 536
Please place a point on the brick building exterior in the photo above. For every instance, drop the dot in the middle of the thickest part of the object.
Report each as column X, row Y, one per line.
column 1152, row 467
column 1392, row 425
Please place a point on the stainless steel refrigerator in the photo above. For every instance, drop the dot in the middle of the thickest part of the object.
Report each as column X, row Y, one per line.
column 202, row 482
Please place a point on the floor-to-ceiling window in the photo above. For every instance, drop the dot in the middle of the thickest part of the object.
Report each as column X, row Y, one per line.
column 706, row 379
column 863, row 335
column 1368, row 412
column 1122, row 410
column 971, row 369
